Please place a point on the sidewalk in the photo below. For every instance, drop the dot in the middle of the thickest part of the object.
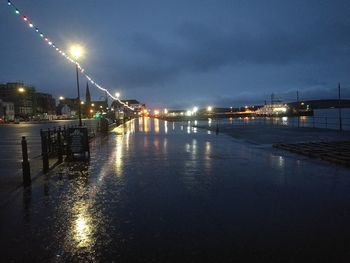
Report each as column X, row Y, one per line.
column 161, row 192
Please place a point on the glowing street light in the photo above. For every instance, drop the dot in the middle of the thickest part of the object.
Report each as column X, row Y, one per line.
column 165, row 111
column 61, row 98
column 210, row 108
column 21, row 90
column 117, row 94
column 77, row 52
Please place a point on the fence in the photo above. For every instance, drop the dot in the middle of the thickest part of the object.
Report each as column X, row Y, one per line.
column 54, row 144
column 302, row 121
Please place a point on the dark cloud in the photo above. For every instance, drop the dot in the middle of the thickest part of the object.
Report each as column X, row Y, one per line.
column 193, row 51
column 199, row 48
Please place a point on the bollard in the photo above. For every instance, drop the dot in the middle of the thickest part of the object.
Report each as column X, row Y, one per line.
column 25, row 163
column 44, row 152
column 48, row 140
column 64, row 133
column 59, row 149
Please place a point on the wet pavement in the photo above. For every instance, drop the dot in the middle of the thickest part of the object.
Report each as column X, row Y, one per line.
column 166, row 192
column 11, row 151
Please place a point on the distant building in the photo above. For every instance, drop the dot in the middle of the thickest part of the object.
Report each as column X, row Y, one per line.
column 66, row 111
column 45, row 104
column 98, row 105
column 136, row 105
column 7, row 111
column 68, row 107
column 175, row 113
column 22, row 96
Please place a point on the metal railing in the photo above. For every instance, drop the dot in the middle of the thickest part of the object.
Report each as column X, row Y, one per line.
column 300, row 122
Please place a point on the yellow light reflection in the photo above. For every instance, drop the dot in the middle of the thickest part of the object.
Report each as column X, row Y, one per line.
column 119, row 156
column 82, row 231
column 141, row 120
column 82, row 227
column 146, row 124
column 156, row 125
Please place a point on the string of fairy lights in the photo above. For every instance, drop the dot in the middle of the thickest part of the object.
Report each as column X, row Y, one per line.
column 51, row 44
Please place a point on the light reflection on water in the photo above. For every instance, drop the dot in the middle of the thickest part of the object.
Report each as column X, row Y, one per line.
column 146, row 125
column 96, row 220
column 141, row 120
column 277, row 161
column 207, row 150
column 119, row 156
column 156, row 125
column 82, row 228
column 165, row 126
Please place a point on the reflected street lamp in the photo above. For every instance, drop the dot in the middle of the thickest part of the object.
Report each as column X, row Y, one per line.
column 77, row 52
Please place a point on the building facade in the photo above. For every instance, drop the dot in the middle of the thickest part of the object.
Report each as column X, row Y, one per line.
column 7, row 111
column 68, row 107
column 22, row 96
column 45, row 103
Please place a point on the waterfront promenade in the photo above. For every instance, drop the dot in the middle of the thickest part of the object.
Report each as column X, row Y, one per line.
column 168, row 192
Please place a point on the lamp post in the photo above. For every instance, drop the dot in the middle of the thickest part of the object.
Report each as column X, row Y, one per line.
column 21, row 104
column 76, row 52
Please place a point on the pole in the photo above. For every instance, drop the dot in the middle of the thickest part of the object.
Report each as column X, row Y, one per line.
column 79, row 103
column 339, row 108
column 59, row 141
column 298, row 109
column 25, row 164
column 44, row 153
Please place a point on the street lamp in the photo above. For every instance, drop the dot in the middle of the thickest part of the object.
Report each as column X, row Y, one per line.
column 77, row 52
column 117, row 94
column 61, row 98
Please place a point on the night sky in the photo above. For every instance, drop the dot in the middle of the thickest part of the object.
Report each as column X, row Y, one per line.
column 183, row 53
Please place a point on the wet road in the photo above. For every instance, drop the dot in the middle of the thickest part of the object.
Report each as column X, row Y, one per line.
column 164, row 192
column 11, row 152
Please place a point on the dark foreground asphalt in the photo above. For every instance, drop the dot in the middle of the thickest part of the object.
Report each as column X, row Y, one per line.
column 163, row 192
